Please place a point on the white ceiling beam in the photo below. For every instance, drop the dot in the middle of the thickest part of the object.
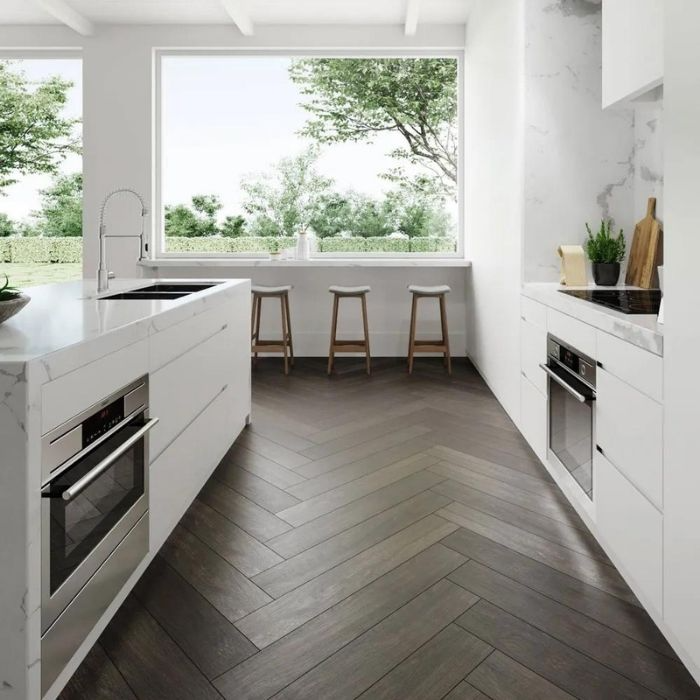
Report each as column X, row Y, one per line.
column 412, row 12
column 64, row 13
column 239, row 15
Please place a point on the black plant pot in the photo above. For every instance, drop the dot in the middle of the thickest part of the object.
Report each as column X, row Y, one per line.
column 606, row 274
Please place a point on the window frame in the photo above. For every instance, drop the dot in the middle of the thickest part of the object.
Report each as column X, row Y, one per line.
column 158, row 224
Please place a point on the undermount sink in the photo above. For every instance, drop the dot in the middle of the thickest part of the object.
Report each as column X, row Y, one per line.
column 159, row 291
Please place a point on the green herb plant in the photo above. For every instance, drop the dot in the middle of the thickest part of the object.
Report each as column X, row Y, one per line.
column 603, row 247
column 7, row 292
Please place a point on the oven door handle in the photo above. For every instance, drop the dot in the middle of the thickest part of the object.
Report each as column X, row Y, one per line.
column 567, row 387
column 85, row 481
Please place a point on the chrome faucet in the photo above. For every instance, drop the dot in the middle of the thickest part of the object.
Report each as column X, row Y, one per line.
column 102, row 273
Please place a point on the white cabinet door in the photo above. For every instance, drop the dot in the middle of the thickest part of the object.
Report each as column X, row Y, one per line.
column 533, row 417
column 629, row 428
column 632, row 528
column 533, row 352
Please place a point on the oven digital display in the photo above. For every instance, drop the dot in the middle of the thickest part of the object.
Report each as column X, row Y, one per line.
column 569, row 359
column 103, row 420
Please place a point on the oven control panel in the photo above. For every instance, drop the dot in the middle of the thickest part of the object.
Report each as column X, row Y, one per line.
column 577, row 363
column 103, row 421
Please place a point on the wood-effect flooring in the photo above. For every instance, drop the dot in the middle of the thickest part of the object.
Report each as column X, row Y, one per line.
column 380, row 537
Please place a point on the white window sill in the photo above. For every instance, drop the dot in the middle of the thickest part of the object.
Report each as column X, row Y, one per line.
column 316, row 262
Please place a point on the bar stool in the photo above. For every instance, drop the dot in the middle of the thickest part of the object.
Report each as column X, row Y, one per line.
column 442, row 345
column 284, row 346
column 349, row 345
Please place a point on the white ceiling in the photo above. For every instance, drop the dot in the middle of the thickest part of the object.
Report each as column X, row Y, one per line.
column 260, row 12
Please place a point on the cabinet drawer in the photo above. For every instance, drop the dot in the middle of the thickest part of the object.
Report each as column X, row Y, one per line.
column 629, row 430
column 533, row 417
column 533, row 352
column 642, row 369
column 573, row 332
column 533, row 312
column 198, row 375
column 632, row 528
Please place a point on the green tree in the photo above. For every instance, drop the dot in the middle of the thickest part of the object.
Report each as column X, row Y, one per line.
column 34, row 136
column 284, row 202
column 61, row 212
column 334, row 215
column 354, row 99
column 7, row 226
column 200, row 220
column 372, row 218
column 233, row 226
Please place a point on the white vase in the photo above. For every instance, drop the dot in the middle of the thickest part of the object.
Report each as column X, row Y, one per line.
column 302, row 246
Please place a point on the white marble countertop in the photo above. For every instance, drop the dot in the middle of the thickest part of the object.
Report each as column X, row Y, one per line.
column 423, row 261
column 642, row 330
column 68, row 314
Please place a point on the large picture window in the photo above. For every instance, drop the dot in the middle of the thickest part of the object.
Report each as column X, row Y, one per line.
column 362, row 153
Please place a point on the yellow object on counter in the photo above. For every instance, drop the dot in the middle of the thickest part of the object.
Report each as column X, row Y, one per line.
column 573, row 265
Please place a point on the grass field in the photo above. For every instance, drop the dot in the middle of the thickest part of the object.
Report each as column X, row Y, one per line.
column 32, row 274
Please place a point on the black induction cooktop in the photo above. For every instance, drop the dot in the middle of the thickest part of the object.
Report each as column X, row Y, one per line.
column 628, row 301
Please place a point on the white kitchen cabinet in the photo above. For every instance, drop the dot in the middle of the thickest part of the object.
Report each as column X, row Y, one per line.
column 533, row 312
column 629, row 430
column 533, row 417
column 572, row 331
column 633, row 53
column 632, row 529
column 533, row 353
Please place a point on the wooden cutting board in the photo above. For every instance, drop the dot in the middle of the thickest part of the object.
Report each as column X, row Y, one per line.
column 646, row 253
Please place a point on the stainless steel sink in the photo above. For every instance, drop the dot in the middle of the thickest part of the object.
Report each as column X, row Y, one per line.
column 159, row 291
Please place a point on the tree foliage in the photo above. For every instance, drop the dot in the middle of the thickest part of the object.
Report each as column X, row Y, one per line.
column 7, row 226
column 34, row 135
column 355, row 99
column 199, row 220
column 61, row 212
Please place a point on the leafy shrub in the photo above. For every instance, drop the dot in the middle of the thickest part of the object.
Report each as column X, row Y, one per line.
column 66, row 250
column 387, row 245
column 433, row 245
column 4, row 250
column 31, row 250
column 604, row 247
column 342, row 245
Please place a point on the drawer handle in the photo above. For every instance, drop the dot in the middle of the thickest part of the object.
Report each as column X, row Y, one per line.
column 599, row 364
column 600, row 449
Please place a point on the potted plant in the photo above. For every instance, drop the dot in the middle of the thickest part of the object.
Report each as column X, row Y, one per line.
column 275, row 248
column 605, row 252
column 12, row 300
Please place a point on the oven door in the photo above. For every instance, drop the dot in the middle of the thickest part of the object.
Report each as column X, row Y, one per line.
column 87, row 510
column 571, row 404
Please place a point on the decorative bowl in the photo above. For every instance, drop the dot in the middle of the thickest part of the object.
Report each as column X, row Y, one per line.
column 10, row 307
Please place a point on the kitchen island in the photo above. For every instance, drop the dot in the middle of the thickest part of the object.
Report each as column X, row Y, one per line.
column 63, row 354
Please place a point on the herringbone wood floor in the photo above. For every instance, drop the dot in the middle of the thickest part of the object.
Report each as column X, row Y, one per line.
column 383, row 537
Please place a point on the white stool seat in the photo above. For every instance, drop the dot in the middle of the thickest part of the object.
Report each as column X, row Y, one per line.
column 259, row 289
column 429, row 291
column 350, row 291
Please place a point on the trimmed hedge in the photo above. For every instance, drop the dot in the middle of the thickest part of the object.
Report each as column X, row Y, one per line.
column 387, row 245
column 341, row 245
column 66, row 250
column 433, row 245
column 30, row 250
column 4, row 250
column 223, row 244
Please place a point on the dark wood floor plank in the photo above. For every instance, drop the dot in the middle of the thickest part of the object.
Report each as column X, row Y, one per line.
column 629, row 658
column 228, row 590
column 369, row 657
column 288, row 421
column 231, row 543
column 314, row 507
column 432, row 670
column 279, row 664
column 620, row 615
column 502, row 678
column 260, row 491
column 362, row 467
column 272, row 431
column 249, row 516
column 563, row 666
column 464, row 691
column 592, row 571
column 314, row 561
column 97, row 678
column 151, row 663
column 352, row 454
column 290, row 459
column 205, row 635
column 580, row 540
column 263, row 467
column 281, row 616
column 320, row 529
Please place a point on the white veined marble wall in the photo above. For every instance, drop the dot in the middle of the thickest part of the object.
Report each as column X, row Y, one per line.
column 648, row 157
column 579, row 159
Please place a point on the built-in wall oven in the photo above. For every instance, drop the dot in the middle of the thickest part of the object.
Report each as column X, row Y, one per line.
column 572, row 394
column 94, row 517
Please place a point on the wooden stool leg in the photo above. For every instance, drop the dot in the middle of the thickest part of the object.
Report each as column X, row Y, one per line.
column 258, row 312
column 368, row 356
column 412, row 334
column 289, row 328
column 285, row 350
column 445, row 333
column 334, row 328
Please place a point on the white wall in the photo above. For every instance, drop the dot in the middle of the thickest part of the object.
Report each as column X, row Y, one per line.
column 493, row 95
column 682, row 327
column 118, row 151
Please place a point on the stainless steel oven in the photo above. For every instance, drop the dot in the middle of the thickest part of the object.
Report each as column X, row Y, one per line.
column 94, row 517
column 572, row 394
